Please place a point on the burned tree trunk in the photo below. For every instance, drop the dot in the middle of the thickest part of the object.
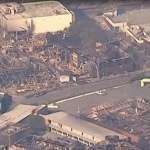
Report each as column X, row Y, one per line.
column 97, row 58
column 95, row 61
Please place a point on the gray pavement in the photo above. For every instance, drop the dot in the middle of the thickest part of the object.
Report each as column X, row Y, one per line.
column 85, row 104
column 97, row 4
column 72, row 91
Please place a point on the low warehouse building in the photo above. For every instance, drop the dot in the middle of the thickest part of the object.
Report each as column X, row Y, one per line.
column 77, row 129
column 14, row 133
column 19, row 113
column 40, row 17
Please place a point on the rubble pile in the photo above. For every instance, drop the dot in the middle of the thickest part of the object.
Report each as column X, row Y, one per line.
column 130, row 115
column 38, row 143
column 25, row 64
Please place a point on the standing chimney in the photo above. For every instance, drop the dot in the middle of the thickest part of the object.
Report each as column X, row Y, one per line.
column 13, row 11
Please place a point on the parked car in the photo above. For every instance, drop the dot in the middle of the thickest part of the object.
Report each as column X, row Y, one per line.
column 40, row 93
column 102, row 92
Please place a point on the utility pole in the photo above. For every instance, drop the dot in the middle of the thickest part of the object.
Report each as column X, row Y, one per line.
column 78, row 110
column 16, row 36
column 68, row 91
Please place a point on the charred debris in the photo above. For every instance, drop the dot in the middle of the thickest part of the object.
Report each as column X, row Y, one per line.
column 129, row 117
column 34, row 63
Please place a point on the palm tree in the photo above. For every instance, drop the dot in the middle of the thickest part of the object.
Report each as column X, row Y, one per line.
column 140, row 33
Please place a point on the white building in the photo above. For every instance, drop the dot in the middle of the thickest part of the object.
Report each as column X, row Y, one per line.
column 130, row 21
column 78, row 129
column 48, row 16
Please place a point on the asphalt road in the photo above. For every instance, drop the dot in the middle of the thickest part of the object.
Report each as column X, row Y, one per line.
column 72, row 91
column 85, row 104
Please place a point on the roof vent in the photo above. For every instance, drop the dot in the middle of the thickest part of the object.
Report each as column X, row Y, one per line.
column 13, row 9
column 7, row 11
column 18, row 10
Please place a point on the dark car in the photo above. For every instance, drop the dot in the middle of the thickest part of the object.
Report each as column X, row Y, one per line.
column 40, row 93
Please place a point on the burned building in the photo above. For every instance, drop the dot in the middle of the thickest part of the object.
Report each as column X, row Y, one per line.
column 129, row 117
column 75, row 59
column 39, row 143
column 3, row 147
column 112, row 67
column 119, row 145
column 13, row 133
column 23, row 60
column 111, row 60
column 116, row 66
column 29, row 64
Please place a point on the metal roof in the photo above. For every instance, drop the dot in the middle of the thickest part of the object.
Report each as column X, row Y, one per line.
column 17, row 114
column 81, row 125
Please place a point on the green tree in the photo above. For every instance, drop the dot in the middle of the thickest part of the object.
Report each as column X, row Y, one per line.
column 37, row 123
column 6, row 102
column 89, row 32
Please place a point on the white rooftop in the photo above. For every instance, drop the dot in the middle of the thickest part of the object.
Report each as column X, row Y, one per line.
column 17, row 114
column 135, row 15
column 35, row 9
column 81, row 125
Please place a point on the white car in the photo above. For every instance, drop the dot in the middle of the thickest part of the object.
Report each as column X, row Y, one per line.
column 101, row 92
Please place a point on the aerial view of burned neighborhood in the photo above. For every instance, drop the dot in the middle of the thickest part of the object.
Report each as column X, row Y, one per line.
column 74, row 75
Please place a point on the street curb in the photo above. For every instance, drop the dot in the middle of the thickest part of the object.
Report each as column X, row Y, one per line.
column 120, row 86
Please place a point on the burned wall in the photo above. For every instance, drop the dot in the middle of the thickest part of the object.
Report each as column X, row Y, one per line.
column 120, row 65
